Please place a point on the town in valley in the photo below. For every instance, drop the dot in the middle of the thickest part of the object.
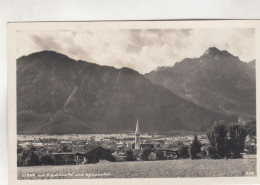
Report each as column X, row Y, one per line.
column 75, row 148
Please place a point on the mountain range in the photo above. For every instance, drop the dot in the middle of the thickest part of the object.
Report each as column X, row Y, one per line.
column 59, row 95
column 217, row 81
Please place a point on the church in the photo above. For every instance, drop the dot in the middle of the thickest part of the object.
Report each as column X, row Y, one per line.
column 138, row 145
column 137, row 136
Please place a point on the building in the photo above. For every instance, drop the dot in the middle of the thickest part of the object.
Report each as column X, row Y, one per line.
column 152, row 156
column 137, row 136
column 92, row 154
column 119, row 156
column 146, row 146
column 170, row 153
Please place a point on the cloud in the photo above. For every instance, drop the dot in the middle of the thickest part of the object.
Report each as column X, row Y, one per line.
column 142, row 50
column 47, row 43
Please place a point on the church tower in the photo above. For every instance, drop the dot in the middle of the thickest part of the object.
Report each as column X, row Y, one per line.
column 137, row 136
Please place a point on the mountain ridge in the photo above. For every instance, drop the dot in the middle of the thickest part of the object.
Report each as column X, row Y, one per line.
column 216, row 80
column 59, row 95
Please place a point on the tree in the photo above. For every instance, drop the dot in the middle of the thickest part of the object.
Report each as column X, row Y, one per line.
column 145, row 153
column 236, row 143
column 19, row 149
column 251, row 129
column 217, row 136
column 130, row 155
column 21, row 159
column 28, row 157
column 203, row 153
column 45, row 159
column 184, row 152
column 195, row 148
column 251, row 149
column 57, row 159
column 32, row 159
column 159, row 154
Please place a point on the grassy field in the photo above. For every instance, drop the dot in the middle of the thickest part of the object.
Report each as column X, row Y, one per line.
column 144, row 169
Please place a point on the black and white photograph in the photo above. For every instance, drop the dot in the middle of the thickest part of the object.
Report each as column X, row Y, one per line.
column 144, row 99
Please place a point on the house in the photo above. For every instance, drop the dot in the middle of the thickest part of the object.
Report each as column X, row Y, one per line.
column 25, row 144
column 171, row 153
column 120, row 144
column 119, row 157
column 90, row 154
column 38, row 144
column 66, row 142
column 160, row 141
column 63, row 158
column 146, row 145
column 129, row 145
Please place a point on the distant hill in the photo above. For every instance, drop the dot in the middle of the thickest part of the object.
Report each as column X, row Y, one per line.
column 59, row 95
column 217, row 81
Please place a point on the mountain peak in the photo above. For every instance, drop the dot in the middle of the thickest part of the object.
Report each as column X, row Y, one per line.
column 44, row 53
column 217, row 54
column 218, row 81
column 213, row 51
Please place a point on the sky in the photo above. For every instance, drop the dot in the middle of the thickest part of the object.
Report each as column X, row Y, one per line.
column 141, row 50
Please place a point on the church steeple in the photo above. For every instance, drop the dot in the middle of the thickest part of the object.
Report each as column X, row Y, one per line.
column 137, row 136
column 137, row 130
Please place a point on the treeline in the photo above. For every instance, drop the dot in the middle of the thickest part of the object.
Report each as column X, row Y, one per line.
column 31, row 157
column 224, row 142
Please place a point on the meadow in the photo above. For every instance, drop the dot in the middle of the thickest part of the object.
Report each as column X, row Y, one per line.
column 144, row 169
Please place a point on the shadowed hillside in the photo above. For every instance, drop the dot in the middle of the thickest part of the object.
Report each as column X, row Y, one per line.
column 217, row 81
column 58, row 95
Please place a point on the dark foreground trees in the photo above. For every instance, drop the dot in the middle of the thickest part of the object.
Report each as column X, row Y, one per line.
column 159, row 154
column 145, row 154
column 226, row 142
column 195, row 148
column 31, row 157
column 130, row 155
column 236, row 141
column 217, row 136
column 184, row 152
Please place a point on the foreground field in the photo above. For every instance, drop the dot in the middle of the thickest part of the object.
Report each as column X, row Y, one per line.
column 144, row 169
